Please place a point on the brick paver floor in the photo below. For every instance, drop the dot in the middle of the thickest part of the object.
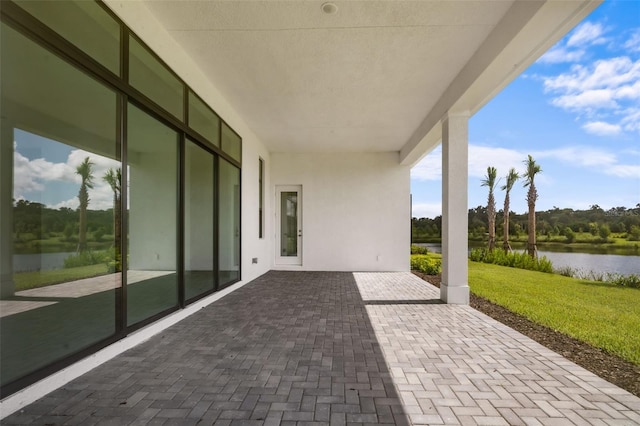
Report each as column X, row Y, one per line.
column 336, row 348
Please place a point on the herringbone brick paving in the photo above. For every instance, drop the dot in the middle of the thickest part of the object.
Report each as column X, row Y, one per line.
column 312, row 348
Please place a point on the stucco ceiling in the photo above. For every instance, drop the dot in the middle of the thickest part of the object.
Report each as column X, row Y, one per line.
column 365, row 78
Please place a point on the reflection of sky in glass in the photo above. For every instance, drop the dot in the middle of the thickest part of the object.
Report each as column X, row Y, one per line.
column 45, row 172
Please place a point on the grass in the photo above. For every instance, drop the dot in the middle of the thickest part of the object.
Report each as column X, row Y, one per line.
column 28, row 280
column 584, row 241
column 603, row 315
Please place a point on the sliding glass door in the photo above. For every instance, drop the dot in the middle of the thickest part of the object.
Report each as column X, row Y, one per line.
column 152, row 285
column 199, row 226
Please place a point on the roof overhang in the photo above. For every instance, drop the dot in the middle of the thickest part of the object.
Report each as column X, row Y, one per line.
column 374, row 76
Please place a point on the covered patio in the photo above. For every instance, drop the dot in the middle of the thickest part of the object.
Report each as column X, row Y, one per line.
column 295, row 347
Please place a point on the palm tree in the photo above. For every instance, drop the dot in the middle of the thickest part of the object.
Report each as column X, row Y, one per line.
column 114, row 179
column 490, row 182
column 86, row 175
column 532, row 169
column 512, row 177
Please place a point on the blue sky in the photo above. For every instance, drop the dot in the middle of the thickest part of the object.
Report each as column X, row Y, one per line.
column 45, row 172
column 576, row 111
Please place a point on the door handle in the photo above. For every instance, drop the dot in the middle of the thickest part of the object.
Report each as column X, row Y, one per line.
column 299, row 232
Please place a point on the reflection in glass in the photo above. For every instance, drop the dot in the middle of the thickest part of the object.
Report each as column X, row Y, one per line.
column 229, row 217
column 88, row 18
column 289, row 224
column 152, row 155
column 57, row 280
column 203, row 120
column 199, row 228
column 260, row 198
column 231, row 143
column 151, row 77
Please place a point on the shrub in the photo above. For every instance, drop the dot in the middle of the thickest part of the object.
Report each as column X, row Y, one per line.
column 519, row 260
column 566, row 271
column 426, row 264
column 419, row 249
column 632, row 281
column 98, row 234
column 634, row 233
column 569, row 234
column 86, row 258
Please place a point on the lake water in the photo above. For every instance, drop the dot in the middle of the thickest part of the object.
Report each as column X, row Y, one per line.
column 39, row 262
column 585, row 262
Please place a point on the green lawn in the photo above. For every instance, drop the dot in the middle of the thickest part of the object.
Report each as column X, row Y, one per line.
column 27, row 280
column 604, row 315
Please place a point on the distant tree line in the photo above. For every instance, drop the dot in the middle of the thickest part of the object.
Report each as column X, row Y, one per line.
column 554, row 222
column 38, row 228
column 35, row 221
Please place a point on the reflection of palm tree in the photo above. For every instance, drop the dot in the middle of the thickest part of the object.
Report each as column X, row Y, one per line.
column 490, row 182
column 512, row 177
column 86, row 174
column 114, row 179
column 532, row 197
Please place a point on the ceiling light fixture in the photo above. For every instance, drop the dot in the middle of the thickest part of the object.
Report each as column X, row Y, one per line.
column 329, row 8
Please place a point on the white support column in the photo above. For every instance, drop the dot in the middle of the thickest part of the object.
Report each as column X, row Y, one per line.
column 7, row 287
column 455, row 146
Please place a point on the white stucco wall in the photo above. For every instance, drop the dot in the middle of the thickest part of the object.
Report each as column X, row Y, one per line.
column 152, row 212
column 355, row 209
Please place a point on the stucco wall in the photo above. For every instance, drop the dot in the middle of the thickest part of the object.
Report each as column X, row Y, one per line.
column 152, row 213
column 355, row 209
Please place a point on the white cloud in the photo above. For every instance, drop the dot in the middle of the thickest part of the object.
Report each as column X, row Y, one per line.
column 430, row 167
column 611, row 73
column 30, row 175
column 602, row 128
column 426, row 210
column 71, row 203
column 480, row 157
column 624, row 170
column 580, row 156
column 608, row 88
column 633, row 44
column 631, row 120
column 560, row 54
column 586, row 101
column 587, row 33
column 33, row 176
column 574, row 47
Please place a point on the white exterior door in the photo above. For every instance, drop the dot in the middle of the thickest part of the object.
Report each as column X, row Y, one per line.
column 289, row 225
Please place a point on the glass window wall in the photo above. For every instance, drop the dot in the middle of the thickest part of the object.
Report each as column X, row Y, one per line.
column 88, row 18
column 231, row 143
column 57, row 289
column 76, row 221
column 152, row 78
column 229, row 217
column 199, row 228
column 260, row 198
column 203, row 120
column 152, row 160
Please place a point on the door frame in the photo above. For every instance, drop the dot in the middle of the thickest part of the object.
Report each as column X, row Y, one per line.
column 287, row 260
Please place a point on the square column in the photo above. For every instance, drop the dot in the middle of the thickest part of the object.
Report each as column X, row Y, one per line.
column 455, row 146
